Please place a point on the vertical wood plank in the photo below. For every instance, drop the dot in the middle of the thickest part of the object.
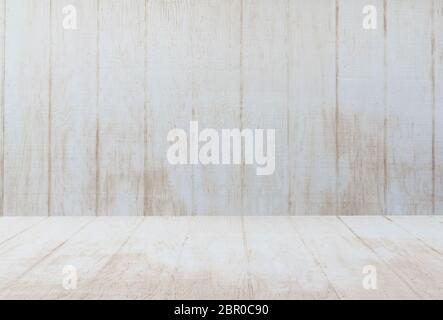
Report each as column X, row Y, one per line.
column 73, row 110
column 121, row 109
column 438, row 107
column 27, row 91
column 361, row 111
column 265, row 101
column 409, row 107
column 216, row 37
column 311, row 121
column 169, row 104
column 2, row 96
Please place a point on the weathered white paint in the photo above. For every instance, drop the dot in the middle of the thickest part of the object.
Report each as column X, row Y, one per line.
column 358, row 113
column 222, row 257
column 168, row 189
column 27, row 91
column 312, row 170
column 121, row 107
column 217, row 46
column 2, row 96
column 423, row 270
column 409, row 107
column 438, row 108
column 265, row 100
column 73, row 111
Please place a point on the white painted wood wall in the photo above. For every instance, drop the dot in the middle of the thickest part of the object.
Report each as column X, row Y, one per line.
column 84, row 114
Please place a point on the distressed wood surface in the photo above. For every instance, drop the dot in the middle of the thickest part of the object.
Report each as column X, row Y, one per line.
column 409, row 107
column 438, row 107
column 168, row 189
column 217, row 98
column 425, row 229
column 12, row 226
column 312, row 170
column 280, row 264
column 73, row 114
column 416, row 263
column 2, row 96
column 212, row 261
column 27, row 93
column 84, row 114
column 360, row 111
column 121, row 107
column 90, row 250
column 222, row 257
column 342, row 256
column 145, row 263
column 23, row 252
column 264, row 101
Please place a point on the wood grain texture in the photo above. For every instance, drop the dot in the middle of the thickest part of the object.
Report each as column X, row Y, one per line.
column 73, row 118
column 280, row 264
column 419, row 266
column 342, row 257
column 438, row 107
column 27, row 92
column 425, row 229
column 84, row 114
column 121, row 109
column 10, row 227
column 409, row 107
column 220, row 272
column 168, row 188
column 221, row 257
column 89, row 250
column 265, row 101
column 216, row 39
column 27, row 250
column 2, row 96
column 311, row 120
column 361, row 111
column 146, row 263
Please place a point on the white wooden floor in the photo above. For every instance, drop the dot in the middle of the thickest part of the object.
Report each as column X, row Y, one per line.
column 221, row 257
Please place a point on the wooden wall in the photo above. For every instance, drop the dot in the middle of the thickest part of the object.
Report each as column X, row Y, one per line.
column 85, row 113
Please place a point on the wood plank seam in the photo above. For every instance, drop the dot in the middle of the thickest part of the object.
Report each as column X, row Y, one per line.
column 407, row 185
column 50, row 112
column 337, row 103
column 434, row 106
column 399, row 276
column 248, row 259
column 426, row 244
column 145, row 109
column 46, row 256
column 385, row 111
column 123, row 244
column 23, row 231
column 330, row 285
column 2, row 111
column 97, row 125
